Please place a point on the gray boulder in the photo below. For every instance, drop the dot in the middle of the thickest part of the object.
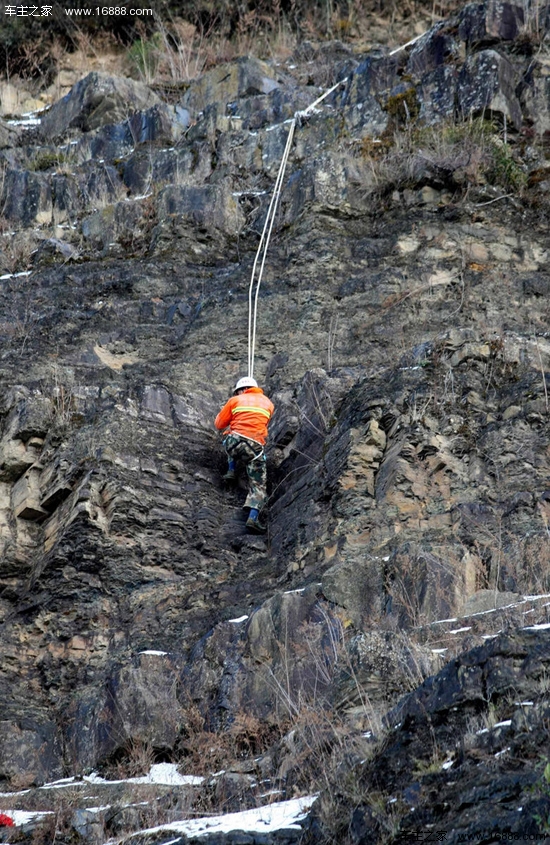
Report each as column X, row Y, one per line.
column 436, row 94
column 27, row 197
column 431, row 51
column 8, row 135
column 489, row 22
column 535, row 97
column 486, row 85
column 96, row 100
column 210, row 208
column 373, row 77
column 225, row 83
column 177, row 165
column 162, row 123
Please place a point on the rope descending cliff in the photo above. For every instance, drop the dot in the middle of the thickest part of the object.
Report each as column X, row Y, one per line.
column 263, row 246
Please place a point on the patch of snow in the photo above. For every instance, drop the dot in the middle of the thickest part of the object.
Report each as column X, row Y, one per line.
column 61, row 784
column 504, row 724
column 163, row 773
column 15, row 275
column 442, row 621
column 544, row 626
column 13, row 794
column 485, row 612
column 283, row 815
column 439, row 650
column 525, row 703
column 534, row 598
column 289, row 592
column 447, row 764
column 25, row 121
column 249, row 193
column 238, row 620
column 460, row 630
column 490, row 636
column 152, row 651
column 504, row 751
column 25, row 816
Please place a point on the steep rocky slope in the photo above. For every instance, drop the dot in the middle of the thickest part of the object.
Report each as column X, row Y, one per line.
column 403, row 336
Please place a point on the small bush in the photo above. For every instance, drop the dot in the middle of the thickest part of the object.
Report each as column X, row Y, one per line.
column 454, row 156
column 48, row 160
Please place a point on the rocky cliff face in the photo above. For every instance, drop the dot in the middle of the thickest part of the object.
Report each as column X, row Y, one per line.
column 402, row 335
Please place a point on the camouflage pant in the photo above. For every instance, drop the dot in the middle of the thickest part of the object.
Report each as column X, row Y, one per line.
column 252, row 455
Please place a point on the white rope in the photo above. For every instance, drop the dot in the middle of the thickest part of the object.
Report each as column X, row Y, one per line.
column 268, row 227
column 264, row 244
column 408, row 44
column 272, row 210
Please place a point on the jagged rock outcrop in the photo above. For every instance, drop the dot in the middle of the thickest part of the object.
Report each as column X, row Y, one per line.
column 402, row 334
column 461, row 756
column 96, row 100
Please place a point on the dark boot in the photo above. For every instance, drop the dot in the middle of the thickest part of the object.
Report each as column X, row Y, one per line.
column 253, row 523
column 230, row 476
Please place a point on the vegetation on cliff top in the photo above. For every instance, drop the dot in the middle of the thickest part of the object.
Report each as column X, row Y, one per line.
column 200, row 32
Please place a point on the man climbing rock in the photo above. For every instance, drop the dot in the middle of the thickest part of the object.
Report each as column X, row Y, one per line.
column 244, row 420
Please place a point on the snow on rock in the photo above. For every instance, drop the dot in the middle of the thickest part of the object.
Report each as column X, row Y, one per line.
column 21, row 817
column 162, row 773
column 283, row 815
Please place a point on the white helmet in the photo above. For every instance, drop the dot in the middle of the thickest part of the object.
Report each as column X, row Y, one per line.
column 247, row 381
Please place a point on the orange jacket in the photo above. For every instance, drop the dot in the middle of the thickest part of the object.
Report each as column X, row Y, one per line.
column 247, row 414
